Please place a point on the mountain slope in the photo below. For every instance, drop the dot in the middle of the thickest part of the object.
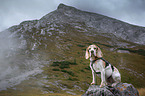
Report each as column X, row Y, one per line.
column 98, row 23
column 48, row 54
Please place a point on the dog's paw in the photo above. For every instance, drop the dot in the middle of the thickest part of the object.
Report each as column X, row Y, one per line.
column 93, row 83
column 102, row 85
column 114, row 84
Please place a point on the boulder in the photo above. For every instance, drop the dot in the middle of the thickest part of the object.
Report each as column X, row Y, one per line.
column 121, row 89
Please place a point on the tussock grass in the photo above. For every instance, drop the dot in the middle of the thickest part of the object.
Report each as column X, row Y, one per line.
column 141, row 91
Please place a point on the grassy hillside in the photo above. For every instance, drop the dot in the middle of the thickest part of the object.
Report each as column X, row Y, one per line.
column 71, row 74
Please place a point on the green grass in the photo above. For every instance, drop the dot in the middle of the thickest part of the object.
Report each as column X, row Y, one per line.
column 76, row 71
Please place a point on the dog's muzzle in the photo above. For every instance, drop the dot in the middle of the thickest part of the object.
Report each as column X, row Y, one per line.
column 92, row 53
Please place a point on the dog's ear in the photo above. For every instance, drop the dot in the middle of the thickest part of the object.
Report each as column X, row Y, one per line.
column 99, row 53
column 87, row 53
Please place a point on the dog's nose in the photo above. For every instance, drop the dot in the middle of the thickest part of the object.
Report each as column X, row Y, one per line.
column 92, row 51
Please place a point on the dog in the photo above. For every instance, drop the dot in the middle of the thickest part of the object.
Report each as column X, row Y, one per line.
column 109, row 74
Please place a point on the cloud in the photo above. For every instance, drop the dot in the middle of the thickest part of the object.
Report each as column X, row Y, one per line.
column 131, row 11
column 13, row 12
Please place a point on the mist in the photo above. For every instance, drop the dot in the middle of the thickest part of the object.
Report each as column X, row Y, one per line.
column 15, row 64
column 8, row 46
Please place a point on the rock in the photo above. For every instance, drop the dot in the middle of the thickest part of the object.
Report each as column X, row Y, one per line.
column 121, row 89
column 127, row 89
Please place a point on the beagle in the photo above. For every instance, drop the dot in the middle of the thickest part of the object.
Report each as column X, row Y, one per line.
column 108, row 73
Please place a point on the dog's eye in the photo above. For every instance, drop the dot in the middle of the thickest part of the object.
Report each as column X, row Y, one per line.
column 95, row 48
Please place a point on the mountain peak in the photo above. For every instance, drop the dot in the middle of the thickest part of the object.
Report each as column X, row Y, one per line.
column 65, row 7
column 61, row 6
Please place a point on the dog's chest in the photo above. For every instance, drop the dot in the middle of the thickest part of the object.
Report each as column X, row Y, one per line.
column 97, row 66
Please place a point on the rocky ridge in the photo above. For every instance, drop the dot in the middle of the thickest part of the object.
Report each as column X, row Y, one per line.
column 86, row 22
column 96, row 22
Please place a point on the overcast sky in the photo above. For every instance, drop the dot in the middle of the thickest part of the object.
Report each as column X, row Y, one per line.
column 13, row 12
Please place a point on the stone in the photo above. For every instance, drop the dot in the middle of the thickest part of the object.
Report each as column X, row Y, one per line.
column 121, row 89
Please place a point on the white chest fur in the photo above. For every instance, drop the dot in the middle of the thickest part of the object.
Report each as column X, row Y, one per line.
column 98, row 66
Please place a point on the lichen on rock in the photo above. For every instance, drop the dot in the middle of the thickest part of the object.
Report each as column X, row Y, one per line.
column 121, row 89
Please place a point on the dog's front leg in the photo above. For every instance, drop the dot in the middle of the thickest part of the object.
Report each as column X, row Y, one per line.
column 103, row 80
column 94, row 78
column 93, row 75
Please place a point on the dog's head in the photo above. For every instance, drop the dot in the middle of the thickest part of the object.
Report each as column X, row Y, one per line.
column 93, row 51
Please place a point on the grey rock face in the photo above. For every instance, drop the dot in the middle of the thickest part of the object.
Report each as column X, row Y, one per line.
column 102, row 24
column 121, row 89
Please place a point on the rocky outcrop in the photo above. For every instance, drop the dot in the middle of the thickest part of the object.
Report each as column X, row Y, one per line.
column 121, row 89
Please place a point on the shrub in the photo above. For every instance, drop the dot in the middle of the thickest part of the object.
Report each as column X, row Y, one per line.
column 69, row 72
column 72, row 79
column 55, row 69
column 69, row 63
column 87, row 68
column 82, row 70
column 64, row 64
column 55, row 64
column 81, row 45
